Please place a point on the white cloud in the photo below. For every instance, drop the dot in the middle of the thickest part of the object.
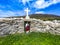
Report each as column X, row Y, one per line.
column 24, row 1
column 10, row 13
column 55, row 1
column 40, row 12
column 43, row 4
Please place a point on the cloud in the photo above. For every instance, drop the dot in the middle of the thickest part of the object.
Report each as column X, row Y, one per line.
column 10, row 13
column 43, row 4
column 24, row 1
column 40, row 12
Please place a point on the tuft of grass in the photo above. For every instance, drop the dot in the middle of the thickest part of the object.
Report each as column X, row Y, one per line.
column 33, row 38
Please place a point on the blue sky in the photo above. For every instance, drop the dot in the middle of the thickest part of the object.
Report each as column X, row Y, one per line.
column 17, row 7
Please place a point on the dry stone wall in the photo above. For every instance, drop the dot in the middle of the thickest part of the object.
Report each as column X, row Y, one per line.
column 16, row 25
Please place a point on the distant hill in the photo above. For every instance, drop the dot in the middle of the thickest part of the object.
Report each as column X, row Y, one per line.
column 45, row 16
column 41, row 16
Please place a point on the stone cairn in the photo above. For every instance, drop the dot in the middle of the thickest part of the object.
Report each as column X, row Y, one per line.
column 16, row 25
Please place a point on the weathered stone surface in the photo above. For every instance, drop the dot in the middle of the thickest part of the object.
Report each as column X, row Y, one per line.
column 16, row 25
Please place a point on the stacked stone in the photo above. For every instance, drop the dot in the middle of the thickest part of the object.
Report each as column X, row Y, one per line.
column 16, row 25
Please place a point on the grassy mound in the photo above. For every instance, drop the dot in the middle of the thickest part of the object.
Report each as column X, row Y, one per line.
column 31, row 39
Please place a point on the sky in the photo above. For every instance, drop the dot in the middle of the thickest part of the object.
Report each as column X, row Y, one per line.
column 17, row 7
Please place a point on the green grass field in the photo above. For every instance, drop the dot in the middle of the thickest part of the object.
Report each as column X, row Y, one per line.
column 31, row 39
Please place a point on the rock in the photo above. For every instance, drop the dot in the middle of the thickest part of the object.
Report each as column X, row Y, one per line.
column 16, row 25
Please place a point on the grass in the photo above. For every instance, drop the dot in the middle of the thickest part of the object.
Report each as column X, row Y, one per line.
column 34, row 38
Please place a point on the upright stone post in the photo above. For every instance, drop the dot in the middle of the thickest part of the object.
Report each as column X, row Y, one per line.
column 27, row 22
